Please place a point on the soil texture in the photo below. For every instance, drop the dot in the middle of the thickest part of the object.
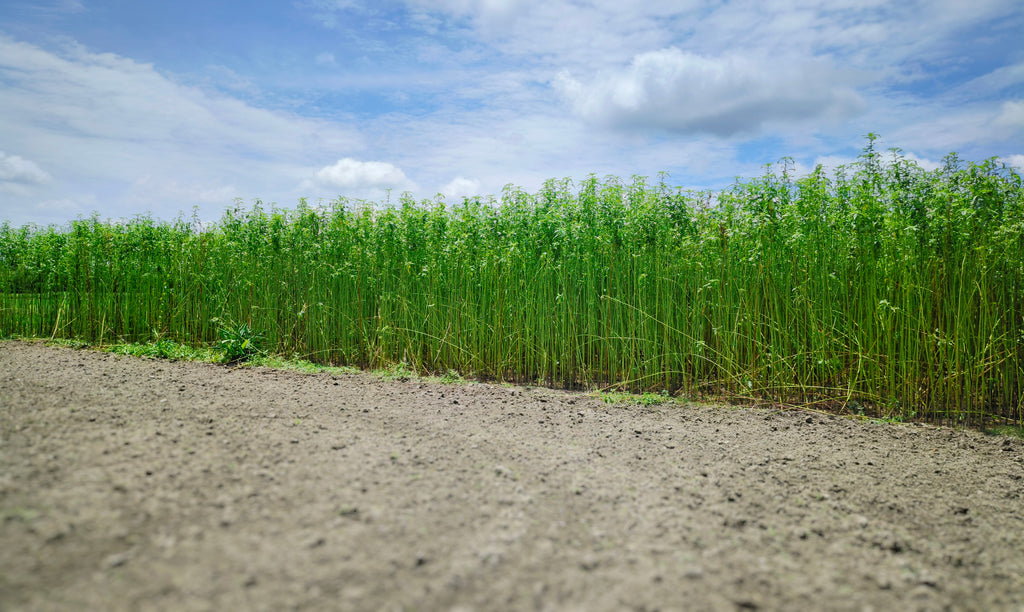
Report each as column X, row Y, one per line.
column 139, row 484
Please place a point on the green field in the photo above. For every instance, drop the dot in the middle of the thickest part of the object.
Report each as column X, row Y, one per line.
column 884, row 289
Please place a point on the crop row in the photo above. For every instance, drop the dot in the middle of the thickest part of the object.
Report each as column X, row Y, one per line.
column 882, row 288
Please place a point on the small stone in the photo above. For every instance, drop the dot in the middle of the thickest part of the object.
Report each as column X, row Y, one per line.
column 926, row 579
column 316, row 542
column 116, row 559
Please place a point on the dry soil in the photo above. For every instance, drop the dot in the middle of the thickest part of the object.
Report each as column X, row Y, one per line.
column 137, row 484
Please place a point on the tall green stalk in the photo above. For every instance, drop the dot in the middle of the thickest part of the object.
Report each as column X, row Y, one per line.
column 883, row 288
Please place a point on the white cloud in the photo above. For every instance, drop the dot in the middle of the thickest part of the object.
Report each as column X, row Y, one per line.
column 923, row 162
column 539, row 33
column 108, row 97
column 876, row 35
column 358, row 176
column 996, row 81
column 1011, row 116
column 1017, row 161
column 470, row 89
column 461, row 187
column 829, row 164
column 150, row 187
column 103, row 123
column 63, row 206
column 684, row 92
column 14, row 169
column 745, row 67
column 497, row 148
column 224, row 77
column 937, row 127
column 62, row 209
column 487, row 13
column 114, row 98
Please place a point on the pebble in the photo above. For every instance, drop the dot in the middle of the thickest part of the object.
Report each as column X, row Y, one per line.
column 116, row 559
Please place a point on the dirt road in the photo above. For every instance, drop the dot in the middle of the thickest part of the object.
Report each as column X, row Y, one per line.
column 135, row 484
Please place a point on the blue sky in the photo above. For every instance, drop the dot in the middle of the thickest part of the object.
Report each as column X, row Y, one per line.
column 127, row 108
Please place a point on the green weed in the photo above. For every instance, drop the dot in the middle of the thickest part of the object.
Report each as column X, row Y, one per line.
column 451, row 377
column 398, row 371
column 239, row 341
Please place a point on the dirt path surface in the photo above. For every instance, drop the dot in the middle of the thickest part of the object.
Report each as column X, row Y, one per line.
column 134, row 484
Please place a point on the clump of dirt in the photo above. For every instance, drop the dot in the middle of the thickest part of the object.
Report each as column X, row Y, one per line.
column 129, row 483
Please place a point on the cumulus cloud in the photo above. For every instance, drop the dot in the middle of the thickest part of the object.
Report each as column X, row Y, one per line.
column 15, row 169
column 684, row 92
column 1011, row 115
column 923, row 162
column 1017, row 161
column 461, row 187
column 830, row 164
column 352, row 174
column 944, row 129
column 465, row 89
column 136, row 138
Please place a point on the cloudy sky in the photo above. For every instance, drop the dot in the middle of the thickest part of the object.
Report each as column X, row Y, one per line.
column 126, row 107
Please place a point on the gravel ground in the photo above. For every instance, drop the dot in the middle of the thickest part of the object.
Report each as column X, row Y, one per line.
column 137, row 484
